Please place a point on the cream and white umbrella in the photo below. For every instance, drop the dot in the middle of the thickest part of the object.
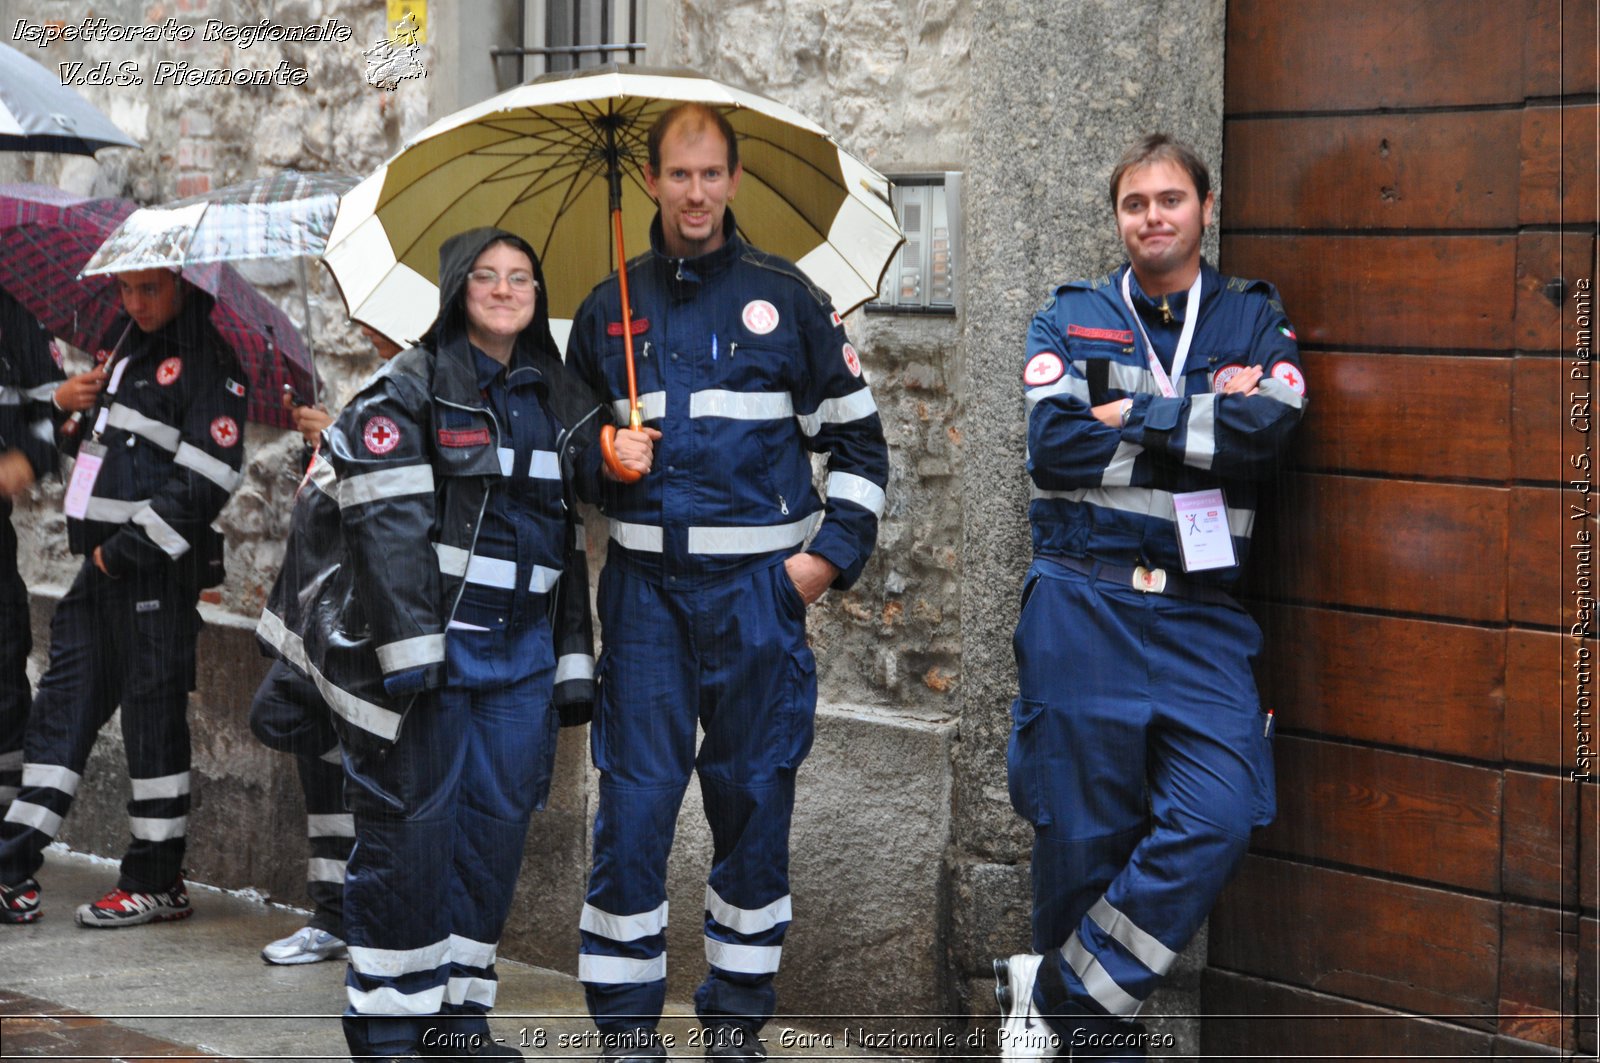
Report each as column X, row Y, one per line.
column 538, row 161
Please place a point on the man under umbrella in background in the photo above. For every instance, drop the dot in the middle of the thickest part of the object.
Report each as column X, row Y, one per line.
column 28, row 379
column 158, row 454
column 746, row 371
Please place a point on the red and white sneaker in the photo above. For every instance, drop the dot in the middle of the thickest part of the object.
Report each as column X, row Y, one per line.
column 20, row 903
column 120, row 908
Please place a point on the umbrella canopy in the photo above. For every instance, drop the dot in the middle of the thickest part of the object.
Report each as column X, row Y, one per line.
column 285, row 215
column 533, row 160
column 49, row 235
column 39, row 113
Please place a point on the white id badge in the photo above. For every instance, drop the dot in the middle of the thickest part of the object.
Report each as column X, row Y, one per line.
column 84, row 474
column 1203, row 532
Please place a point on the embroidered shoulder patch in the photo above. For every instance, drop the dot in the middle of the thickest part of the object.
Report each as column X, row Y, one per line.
column 381, row 435
column 169, row 371
column 852, row 361
column 1111, row 335
column 463, row 437
column 1290, row 377
column 1045, row 367
column 225, row 430
column 760, row 316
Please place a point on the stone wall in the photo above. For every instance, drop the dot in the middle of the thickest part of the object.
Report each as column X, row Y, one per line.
column 1065, row 88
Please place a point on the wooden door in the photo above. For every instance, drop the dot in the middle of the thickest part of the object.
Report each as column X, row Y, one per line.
column 1418, row 178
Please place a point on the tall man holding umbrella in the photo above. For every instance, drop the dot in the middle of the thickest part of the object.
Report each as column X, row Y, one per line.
column 158, row 454
column 744, row 371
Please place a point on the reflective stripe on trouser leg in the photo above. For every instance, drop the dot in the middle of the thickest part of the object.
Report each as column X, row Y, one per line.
column 758, row 705
column 77, row 694
column 1115, row 898
column 16, row 641
column 642, row 741
column 159, row 666
column 330, row 834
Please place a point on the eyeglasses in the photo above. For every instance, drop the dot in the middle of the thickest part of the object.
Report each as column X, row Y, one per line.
column 520, row 280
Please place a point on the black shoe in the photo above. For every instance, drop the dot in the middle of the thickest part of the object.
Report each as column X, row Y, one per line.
column 733, row 1043
column 634, row 1046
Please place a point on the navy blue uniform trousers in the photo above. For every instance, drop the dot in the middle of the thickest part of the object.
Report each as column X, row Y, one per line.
column 127, row 641
column 440, row 826
column 1138, row 752
column 732, row 658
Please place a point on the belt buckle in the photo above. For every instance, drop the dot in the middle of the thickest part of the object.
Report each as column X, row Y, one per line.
column 1149, row 580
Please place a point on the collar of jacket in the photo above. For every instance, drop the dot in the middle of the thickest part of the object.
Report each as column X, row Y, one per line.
column 1210, row 287
column 685, row 275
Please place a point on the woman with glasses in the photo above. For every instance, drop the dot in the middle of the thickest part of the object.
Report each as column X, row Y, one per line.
column 450, row 638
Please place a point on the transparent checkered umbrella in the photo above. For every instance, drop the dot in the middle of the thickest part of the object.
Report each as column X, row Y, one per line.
column 48, row 236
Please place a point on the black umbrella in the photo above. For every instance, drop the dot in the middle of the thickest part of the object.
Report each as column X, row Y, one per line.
column 38, row 113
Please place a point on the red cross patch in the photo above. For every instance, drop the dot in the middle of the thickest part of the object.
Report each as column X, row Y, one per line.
column 169, row 371
column 1290, row 377
column 381, row 435
column 852, row 361
column 225, row 430
column 1045, row 367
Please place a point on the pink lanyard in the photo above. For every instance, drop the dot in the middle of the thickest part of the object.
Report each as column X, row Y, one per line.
column 1185, row 338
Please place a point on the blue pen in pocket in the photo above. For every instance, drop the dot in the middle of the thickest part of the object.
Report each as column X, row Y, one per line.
column 713, row 346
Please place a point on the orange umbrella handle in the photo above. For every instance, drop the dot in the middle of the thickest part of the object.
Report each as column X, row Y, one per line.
column 608, row 451
column 608, row 434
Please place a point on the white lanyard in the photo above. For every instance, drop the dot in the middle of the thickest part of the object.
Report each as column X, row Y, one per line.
column 1190, row 315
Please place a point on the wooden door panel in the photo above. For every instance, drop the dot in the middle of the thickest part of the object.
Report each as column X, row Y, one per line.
column 1544, row 323
column 1546, row 392
column 1389, row 943
column 1408, row 415
column 1558, row 165
column 1540, row 861
column 1560, row 58
column 1538, row 975
column 1256, row 1019
column 1539, row 565
column 1395, row 813
column 1372, row 678
column 1431, row 171
column 1537, row 730
column 1395, row 545
column 1440, row 292
column 1340, row 55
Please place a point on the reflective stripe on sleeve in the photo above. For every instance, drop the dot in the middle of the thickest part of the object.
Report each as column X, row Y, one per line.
column 1200, row 439
column 41, row 392
column 216, row 470
column 1144, row 501
column 416, row 652
column 112, row 511
column 386, row 483
column 857, row 489
column 164, row 436
column 1067, row 385
column 1119, row 470
column 374, row 719
column 852, row 407
column 742, row 405
column 1278, row 391
column 161, row 533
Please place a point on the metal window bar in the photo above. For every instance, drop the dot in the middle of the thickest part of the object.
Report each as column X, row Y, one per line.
column 571, row 28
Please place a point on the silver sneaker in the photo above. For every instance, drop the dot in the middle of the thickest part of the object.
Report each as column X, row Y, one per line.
column 1023, row 1037
column 306, row 945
